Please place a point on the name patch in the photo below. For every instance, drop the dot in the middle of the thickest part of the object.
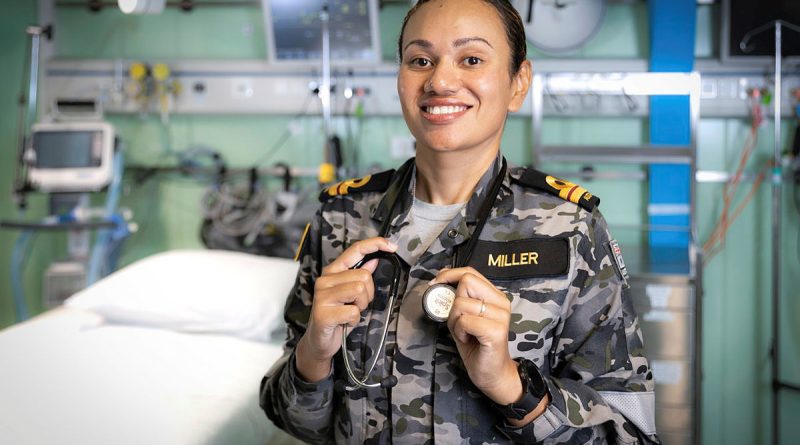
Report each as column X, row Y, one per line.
column 526, row 258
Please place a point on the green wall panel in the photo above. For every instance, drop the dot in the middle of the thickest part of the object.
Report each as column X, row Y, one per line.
column 13, row 47
column 219, row 33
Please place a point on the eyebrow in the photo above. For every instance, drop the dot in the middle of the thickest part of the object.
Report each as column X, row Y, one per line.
column 466, row 40
column 419, row 42
column 456, row 43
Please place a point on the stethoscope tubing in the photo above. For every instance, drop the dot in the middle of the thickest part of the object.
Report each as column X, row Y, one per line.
column 483, row 216
column 398, row 271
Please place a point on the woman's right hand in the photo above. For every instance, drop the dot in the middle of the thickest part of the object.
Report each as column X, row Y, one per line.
column 340, row 295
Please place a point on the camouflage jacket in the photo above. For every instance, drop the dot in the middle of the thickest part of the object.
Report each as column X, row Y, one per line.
column 569, row 316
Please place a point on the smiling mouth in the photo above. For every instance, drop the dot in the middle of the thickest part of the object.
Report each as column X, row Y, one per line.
column 439, row 110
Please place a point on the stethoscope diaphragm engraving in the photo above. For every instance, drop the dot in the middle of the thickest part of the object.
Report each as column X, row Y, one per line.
column 438, row 300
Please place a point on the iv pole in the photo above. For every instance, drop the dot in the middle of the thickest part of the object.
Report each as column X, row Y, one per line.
column 332, row 156
column 777, row 385
column 27, row 109
column 325, row 88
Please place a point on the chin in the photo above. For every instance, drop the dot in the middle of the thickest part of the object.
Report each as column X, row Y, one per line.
column 443, row 142
column 441, row 146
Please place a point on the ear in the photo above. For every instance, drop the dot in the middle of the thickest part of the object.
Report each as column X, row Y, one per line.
column 520, row 83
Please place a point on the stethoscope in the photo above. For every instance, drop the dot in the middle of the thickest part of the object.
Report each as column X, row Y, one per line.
column 437, row 299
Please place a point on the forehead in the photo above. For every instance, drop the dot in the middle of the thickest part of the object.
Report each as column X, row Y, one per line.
column 449, row 20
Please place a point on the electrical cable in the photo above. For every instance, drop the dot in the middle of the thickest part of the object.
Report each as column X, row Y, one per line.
column 287, row 133
column 716, row 242
column 723, row 229
column 729, row 191
column 235, row 212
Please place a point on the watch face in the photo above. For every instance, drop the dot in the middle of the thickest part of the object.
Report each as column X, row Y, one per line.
column 560, row 26
column 535, row 385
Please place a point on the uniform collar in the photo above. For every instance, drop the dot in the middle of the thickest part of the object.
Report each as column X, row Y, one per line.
column 399, row 192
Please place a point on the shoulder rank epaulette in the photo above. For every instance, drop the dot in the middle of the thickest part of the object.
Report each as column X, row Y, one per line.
column 559, row 187
column 371, row 183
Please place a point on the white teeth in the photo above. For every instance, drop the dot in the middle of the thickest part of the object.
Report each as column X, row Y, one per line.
column 445, row 110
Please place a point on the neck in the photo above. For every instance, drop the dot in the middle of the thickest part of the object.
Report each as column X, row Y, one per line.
column 449, row 178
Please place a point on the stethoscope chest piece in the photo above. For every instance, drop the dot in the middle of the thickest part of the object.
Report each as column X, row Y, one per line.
column 438, row 300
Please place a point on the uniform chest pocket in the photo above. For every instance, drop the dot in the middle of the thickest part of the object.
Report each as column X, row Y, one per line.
column 536, row 273
column 536, row 311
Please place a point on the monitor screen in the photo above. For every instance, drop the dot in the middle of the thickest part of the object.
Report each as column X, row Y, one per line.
column 68, row 149
column 296, row 30
column 747, row 15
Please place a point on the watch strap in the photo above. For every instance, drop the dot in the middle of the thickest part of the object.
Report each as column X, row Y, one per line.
column 533, row 391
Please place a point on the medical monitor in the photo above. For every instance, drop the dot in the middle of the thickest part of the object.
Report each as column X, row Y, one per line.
column 70, row 156
column 294, row 31
column 739, row 17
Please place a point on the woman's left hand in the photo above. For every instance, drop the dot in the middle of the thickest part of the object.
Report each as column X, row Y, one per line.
column 479, row 322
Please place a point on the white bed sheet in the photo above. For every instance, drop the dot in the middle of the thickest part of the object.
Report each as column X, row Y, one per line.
column 68, row 378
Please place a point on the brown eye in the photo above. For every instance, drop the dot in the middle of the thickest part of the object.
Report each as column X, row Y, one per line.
column 419, row 62
column 472, row 60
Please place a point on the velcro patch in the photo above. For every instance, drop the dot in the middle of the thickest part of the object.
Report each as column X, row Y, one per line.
column 619, row 263
column 526, row 258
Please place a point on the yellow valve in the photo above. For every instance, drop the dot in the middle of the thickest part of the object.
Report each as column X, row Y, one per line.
column 176, row 88
column 327, row 173
column 161, row 71
column 137, row 71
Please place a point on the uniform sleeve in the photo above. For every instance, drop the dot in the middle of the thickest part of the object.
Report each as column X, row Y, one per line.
column 600, row 384
column 303, row 409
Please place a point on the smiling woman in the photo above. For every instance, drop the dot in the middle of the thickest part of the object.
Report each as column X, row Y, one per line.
column 456, row 87
column 539, row 345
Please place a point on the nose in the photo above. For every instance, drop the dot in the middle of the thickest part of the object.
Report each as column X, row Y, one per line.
column 444, row 80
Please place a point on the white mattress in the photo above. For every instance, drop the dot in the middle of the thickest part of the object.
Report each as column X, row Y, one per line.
column 67, row 378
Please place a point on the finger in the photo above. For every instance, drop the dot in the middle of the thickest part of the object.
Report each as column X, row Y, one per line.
column 474, row 307
column 471, row 286
column 356, row 253
column 455, row 275
column 485, row 331
column 353, row 292
column 348, row 276
column 337, row 315
column 474, row 285
column 370, row 266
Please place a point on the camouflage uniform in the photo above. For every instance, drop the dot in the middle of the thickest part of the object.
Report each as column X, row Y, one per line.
column 577, row 326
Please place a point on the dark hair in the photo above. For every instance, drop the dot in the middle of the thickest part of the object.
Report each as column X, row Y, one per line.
column 515, row 31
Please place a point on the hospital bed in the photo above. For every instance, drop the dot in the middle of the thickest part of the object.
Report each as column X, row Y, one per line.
column 169, row 350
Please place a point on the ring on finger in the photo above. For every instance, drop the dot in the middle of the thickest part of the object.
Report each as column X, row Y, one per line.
column 483, row 309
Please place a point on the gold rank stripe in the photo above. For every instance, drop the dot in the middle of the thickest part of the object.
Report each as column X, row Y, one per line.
column 344, row 187
column 302, row 242
column 567, row 190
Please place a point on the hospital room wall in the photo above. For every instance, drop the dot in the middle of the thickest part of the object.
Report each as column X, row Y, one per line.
column 13, row 47
column 736, row 311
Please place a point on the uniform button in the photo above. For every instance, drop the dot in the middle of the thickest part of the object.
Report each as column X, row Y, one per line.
column 452, row 233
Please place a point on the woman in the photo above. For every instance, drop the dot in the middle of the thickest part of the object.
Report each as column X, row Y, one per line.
column 540, row 344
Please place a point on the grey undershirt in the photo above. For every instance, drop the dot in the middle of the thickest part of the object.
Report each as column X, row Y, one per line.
column 428, row 220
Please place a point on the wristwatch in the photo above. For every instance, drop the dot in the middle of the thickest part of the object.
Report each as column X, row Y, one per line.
column 534, row 389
